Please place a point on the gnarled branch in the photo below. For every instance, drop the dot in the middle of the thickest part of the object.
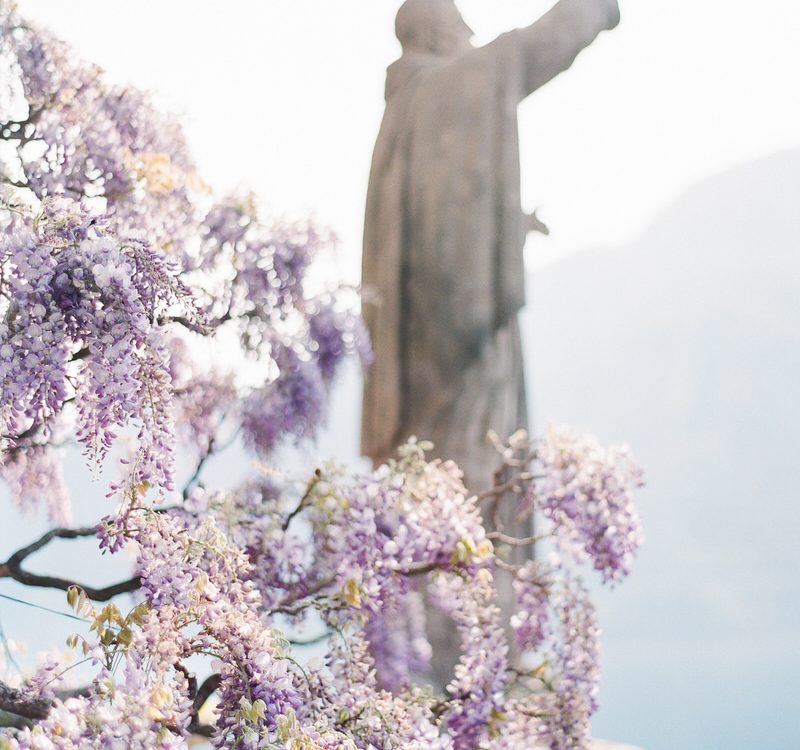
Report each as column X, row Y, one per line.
column 16, row 702
column 208, row 686
column 12, row 568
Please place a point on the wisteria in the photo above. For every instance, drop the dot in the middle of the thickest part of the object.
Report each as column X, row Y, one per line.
column 35, row 478
column 532, row 584
column 215, row 583
column 587, row 491
column 116, row 258
column 154, row 325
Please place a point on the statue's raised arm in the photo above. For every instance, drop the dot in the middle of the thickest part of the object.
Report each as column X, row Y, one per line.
column 554, row 41
column 444, row 228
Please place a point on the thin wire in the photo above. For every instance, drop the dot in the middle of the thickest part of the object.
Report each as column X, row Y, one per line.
column 44, row 609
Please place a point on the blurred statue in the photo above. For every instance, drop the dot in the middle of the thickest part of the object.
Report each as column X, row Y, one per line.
column 443, row 273
column 444, row 230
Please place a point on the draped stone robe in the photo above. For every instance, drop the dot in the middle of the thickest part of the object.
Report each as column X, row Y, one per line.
column 444, row 232
column 443, row 254
column 443, row 273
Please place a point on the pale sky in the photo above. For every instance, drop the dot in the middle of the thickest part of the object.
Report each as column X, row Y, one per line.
column 284, row 97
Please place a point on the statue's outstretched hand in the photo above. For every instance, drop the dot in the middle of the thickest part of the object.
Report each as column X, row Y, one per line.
column 552, row 43
column 612, row 7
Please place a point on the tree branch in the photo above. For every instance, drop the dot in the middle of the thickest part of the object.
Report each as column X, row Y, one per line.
column 315, row 480
column 501, row 488
column 14, row 183
column 12, row 568
column 16, row 702
column 201, row 695
column 204, row 692
column 514, row 541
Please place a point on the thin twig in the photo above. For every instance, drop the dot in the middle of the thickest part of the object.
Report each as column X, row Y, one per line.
column 192, row 479
column 303, row 500
column 500, row 489
column 312, row 641
column 515, row 541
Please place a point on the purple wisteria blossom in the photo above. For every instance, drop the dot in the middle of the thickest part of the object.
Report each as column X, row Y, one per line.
column 575, row 656
column 336, row 333
column 533, row 584
column 293, row 405
column 36, row 478
column 398, row 642
column 481, row 676
column 81, row 325
column 112, row 245
column 587, row 492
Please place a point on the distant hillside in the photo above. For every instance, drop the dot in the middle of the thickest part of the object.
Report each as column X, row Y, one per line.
column 687, row 345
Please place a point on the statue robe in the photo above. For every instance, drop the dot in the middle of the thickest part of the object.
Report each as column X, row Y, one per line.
column 443, row 272
column 444, row 231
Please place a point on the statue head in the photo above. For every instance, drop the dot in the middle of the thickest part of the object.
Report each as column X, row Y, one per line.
column 432, row 26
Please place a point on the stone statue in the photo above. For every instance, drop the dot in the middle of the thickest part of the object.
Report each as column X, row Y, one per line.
column 443, row 273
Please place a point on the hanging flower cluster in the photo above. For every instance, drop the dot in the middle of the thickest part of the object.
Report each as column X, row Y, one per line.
column 221, row 575
column 587, row 491
column 120, row 274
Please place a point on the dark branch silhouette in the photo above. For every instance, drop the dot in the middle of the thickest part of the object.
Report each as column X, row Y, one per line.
column 16, row 702
column 12, row 568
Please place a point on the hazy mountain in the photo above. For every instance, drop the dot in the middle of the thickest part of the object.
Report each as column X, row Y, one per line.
column 686, row 345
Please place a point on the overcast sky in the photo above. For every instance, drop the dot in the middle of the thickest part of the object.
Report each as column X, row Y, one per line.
column 284, row 97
